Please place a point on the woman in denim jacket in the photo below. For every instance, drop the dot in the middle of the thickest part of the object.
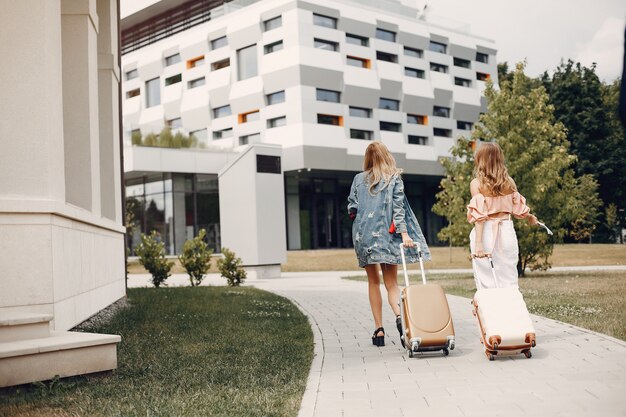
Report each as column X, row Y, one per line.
column 383, row 220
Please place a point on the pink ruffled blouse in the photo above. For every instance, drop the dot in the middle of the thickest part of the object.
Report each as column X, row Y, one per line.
column 481, row 207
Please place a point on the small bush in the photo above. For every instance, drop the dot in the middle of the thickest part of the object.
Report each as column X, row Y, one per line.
column 196, row 258
column 150, row 140
column 135, row 138
column 151, row 252
column 165, row 138
column 230, row 268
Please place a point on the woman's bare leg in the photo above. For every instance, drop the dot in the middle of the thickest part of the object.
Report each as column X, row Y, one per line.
column 376, row 301
column 390, row 277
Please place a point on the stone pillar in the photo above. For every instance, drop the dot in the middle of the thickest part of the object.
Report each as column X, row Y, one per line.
column 79, row 29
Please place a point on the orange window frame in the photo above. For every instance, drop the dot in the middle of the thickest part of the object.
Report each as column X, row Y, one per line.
column 243, row 117
column 191, row 63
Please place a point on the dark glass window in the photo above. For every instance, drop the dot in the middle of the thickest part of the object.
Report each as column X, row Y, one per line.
column 361, row 134
column 172, row 59
column 132, row 93
column 326, row 45
column 438, row 67
column 442, row 132
column 275, row 98
column 220, row 64
column 385, row 35
column 416, row 119
column 463, row 63
column 357, row 40
column 482, row 76
column 273, row 47
column 437, row 47
column 273, row 23
column 414, row 72
column 464, row 125
column 391, row 127
column 328, row 119
column 389, row 104
column 174, row 79
column 441, row 111
column 328, row 95
column 462, row 82
column 360, row 112
column 384, row 56
column 418, row 140
column 326, row 21
column 415, row 53
column 480, row 57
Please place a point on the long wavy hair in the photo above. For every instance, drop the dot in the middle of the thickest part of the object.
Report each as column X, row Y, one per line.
column 490, row 170
column 379, row 165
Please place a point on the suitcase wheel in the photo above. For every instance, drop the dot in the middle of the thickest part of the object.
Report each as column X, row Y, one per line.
column 446, row 352
column 495, row 346
column 528, row 354
column 491, row 357
column 410, row 353
column 533, row 343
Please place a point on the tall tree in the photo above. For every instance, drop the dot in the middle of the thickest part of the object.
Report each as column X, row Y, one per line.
column 520, row 119
column 587, row 109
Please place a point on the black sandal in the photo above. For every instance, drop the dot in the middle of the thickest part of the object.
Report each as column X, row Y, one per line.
column 378, row 340
column 399, row 326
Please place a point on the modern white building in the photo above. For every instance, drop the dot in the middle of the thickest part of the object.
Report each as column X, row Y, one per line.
column 321, row 79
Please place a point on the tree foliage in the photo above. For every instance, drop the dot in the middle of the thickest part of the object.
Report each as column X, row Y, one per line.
column 588, row 110
column 520, row 119
column 151, row 252
column 196, row 258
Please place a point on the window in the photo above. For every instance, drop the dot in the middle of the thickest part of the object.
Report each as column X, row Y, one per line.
column 219, row 42
column 252, row 116
column 462, row 82
column 360, row 112
column 463, row 63
column 391, row 127
column 327, row 45
column 441, row 111
column 361, row 134
column 196, row 62
column 416, row 119
column 329, row 119
column 275, row 98
column 437, row 47
column 132, row 74
column 418, row 140
column 415, row 53
column 273, row 47
column 358, row 62
column 223, row 134
column 196, row 83
column 276, row 122
column 464, row 125
column 482, row 76
column 328, row 95
column 175, row 123
column 414, row 72
column 174, row 79
column 480, row 57
column 172, row 59
column 447, row 133
column 245, row 140
column 201, row 134
column 357, row 40
column 132, row 93
column 385, row 35
column 247, row 62
column 221, row 111
column 384, row 56
column 220, row 64
column 389, row 104
column 153, row 92
column 273, row 23
column 326, row 21
column 438, row 68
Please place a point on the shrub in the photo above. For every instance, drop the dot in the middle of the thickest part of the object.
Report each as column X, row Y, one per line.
column 135, row 138
column 151, row 252
column 230, row 268
column 196, row 258
column 150, row 140
column 165, row 138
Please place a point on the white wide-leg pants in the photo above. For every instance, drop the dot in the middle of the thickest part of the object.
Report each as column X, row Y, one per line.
column 500, row 240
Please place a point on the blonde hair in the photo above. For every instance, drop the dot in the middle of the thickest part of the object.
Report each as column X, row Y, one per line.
column 490, row 170
column 379, row 164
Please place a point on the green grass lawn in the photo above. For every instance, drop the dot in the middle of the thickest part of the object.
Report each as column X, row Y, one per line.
column 205, row 351
column 593, row 300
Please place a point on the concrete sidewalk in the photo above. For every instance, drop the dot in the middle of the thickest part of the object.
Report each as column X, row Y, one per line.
column 573, row 372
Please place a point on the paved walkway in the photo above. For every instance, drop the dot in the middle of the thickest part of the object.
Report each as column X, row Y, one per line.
column 573, row 372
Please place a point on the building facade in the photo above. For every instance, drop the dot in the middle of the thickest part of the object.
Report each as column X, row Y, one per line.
column 321, row 79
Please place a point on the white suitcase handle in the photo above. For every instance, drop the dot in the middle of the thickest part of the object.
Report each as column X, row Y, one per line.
column 419, row 256
column 493, row 271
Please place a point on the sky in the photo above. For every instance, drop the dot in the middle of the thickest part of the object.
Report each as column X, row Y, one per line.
column 541, row 31
column 544, row 32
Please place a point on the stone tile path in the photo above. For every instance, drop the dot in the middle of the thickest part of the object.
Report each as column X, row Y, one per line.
column 573, row 372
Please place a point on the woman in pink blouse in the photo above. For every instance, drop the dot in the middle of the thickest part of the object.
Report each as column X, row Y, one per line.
column 494, row 200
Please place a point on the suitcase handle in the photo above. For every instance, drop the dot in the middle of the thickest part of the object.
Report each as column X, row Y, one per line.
column 419, row 256
column 493, row 271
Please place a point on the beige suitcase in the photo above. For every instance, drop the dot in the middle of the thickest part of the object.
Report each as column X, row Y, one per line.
column 426, row 320
column 505, row 325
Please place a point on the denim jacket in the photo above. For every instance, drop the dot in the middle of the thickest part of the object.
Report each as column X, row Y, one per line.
column 373, row 243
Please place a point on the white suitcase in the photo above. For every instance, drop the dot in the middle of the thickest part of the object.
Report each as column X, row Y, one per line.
column 505, row 325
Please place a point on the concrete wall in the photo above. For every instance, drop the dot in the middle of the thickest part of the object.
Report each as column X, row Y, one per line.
column 61, row 233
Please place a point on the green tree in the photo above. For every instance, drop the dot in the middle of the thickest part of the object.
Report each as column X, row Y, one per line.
column 150, row 140
column 588, row 110
column 151, row 252
column 165, row 138
column 136, row 138
column 196, row 258
column 520, row 119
